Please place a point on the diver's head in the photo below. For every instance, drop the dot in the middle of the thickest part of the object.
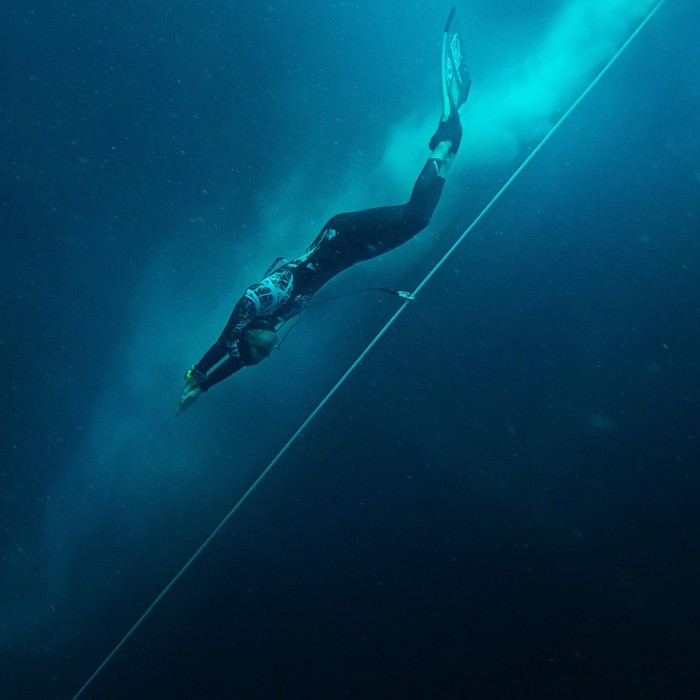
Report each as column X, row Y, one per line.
column 257, row 344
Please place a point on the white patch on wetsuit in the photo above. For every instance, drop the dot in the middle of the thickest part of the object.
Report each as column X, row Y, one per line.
column 271, row 293
column 326, row 235
column 264, row 298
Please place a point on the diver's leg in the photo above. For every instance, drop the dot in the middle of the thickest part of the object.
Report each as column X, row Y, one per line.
column 428, row 188
column 449, row 132
column 365, row 234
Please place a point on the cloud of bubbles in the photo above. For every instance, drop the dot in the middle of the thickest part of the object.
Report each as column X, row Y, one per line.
column 517, row 104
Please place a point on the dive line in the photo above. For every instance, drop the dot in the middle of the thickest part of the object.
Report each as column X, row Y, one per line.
column 370, row 346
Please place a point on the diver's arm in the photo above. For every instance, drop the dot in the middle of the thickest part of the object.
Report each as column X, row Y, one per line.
column 246, row 309
column 228, row 367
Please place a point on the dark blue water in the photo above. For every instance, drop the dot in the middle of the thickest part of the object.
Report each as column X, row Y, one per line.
column 500, row 502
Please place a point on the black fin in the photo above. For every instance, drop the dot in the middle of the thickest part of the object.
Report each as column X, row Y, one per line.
column 455, row 72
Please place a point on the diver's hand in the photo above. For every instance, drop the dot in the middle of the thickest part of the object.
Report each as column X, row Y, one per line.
column 189, row 396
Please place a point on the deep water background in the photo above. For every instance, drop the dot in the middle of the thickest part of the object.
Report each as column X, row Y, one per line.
column 500, row 502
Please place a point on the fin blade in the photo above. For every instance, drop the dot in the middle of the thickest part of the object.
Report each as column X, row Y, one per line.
column 455, row 72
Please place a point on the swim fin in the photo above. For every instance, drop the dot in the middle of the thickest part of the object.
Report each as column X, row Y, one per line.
column 455, row 72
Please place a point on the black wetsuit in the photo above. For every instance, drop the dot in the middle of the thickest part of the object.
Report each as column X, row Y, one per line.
column 345, row 240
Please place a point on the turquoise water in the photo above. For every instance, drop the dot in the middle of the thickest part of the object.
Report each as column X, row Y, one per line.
column 499, row 503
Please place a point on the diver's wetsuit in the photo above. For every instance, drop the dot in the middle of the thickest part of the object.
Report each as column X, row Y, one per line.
column 345, row 240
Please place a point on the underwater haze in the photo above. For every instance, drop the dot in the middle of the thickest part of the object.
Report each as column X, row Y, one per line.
column 500, row 502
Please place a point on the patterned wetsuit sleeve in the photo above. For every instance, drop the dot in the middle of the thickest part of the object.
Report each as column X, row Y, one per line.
column 241, row 317
column 244, row 312
column 260, row 300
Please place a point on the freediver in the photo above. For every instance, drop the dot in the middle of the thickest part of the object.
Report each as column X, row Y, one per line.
column 349, row 238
